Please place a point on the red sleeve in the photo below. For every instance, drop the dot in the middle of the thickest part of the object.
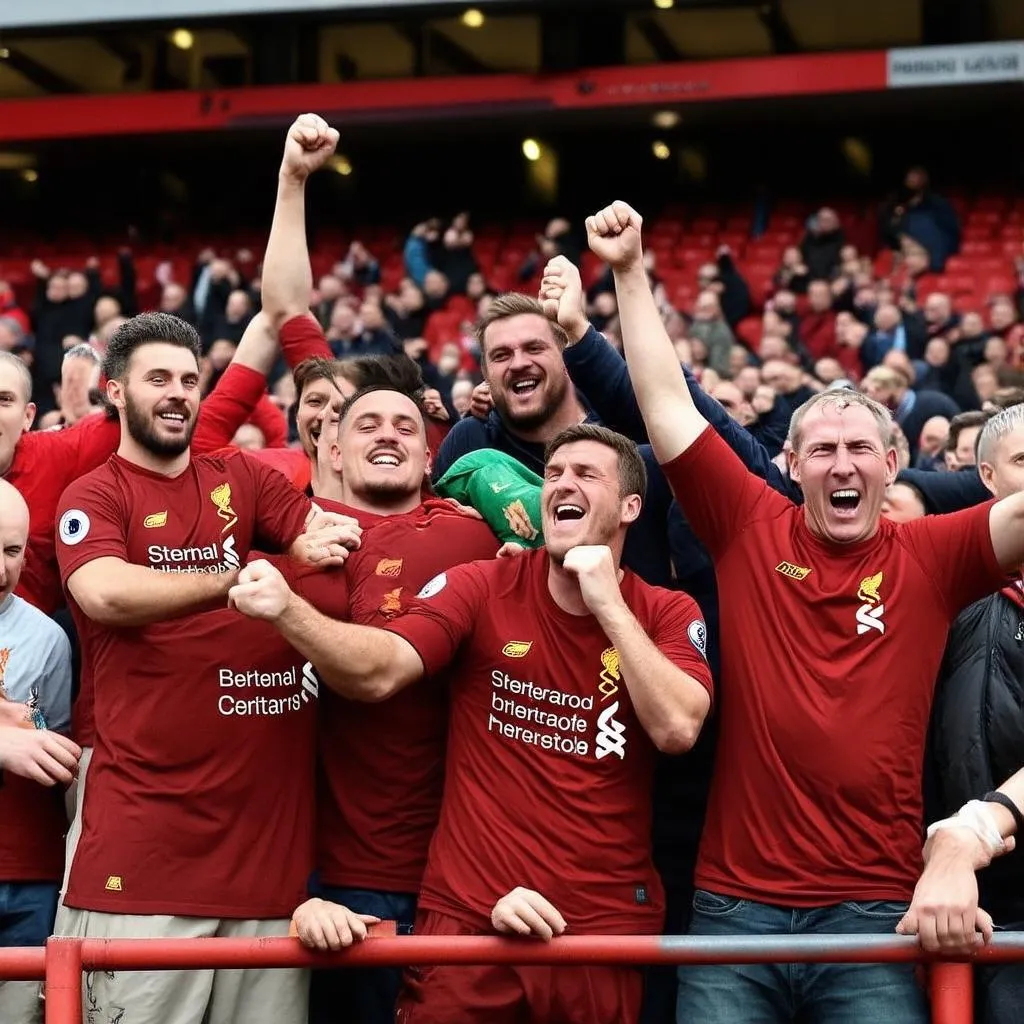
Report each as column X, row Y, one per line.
column 956, row 552
column 678, row 631
column 301, row 338
column 719, row 496
column 281, row 510
column 91, row 524
column 227, row 407
column 442, row 615
column 271, row 422
column 75, row 451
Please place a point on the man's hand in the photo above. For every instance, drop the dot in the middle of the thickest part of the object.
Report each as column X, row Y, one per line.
column 480, row 402
column 434, row 406
column 261, row 592
column 465, row 510
column 38, row 754
column 327, row 540
column 525, row 912
column 329, row 926
column 595, row 570
column 613, row 235
column 944, row 912
column 561, row 295
column 510, row 550
column 310, row 144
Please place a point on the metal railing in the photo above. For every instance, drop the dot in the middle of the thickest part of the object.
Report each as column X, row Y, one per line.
column 61, row 962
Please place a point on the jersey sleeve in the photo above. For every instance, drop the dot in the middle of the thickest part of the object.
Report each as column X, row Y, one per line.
column 718, row 494
column 227, row 407
column 326, row 590
column 302, row 338
column 956, row 552
column 442, row 615
column 678, row 631
column 91, row 524
column 281, row 510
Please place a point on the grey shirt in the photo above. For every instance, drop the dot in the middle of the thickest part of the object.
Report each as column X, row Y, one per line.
column 35, row 657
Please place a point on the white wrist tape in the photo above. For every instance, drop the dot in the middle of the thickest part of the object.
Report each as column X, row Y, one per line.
column 976, row 817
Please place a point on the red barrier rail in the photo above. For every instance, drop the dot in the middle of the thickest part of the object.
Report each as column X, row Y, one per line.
column 64, row 959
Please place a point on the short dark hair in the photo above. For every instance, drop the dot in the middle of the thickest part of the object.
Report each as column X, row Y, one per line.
column 416, row 400
column 965, row 421
column 394, row 372
column 632, row 471
column 512, row 304
column 147, row 329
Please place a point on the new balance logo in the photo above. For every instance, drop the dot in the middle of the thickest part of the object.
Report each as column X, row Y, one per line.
column 611, row 734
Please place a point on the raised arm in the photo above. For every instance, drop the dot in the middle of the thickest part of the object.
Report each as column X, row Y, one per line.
column 672, row 419
column 287, row 276
column 359, row 662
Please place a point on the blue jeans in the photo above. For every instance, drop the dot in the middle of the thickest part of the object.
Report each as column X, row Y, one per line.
column 778, row 993
column 27, row 910
column 360, row 995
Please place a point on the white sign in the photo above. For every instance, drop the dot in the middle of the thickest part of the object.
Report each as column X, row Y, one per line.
column 956, row 65
column 37, row 13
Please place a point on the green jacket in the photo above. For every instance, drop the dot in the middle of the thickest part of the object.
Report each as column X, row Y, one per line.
column 502, row 490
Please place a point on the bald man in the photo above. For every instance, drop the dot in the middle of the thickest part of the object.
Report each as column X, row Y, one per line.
column 35, row 707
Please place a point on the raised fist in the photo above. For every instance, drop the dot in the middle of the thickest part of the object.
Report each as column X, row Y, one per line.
column 561, row 295
column 311, row 142
column 613, row 235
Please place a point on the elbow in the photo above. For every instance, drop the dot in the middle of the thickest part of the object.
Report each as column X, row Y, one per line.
column 104, row 607
column 677, row 735
column 371, row 688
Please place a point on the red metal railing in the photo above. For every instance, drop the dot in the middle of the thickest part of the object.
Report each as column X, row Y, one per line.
column 63, row 960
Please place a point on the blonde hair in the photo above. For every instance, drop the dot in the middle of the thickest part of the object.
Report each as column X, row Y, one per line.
column 843, row 398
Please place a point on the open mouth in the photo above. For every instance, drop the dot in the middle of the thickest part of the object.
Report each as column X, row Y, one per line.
column 525, row 386
column 385, row 459
column 845, row 501
column 568, row 513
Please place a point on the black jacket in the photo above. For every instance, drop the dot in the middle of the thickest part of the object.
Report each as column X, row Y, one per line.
column 977, row 733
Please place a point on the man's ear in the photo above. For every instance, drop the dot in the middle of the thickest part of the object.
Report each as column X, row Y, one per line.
column 115, row 392
column 631, row 506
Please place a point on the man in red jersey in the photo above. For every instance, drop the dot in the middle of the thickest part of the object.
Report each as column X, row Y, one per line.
column 197, row 715
column 382, row 764
column 565, row 673
column 41, row 464
column 833, row 626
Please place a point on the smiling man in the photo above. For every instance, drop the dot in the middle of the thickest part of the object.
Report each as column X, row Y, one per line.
column 832, row 630
column 566, row 673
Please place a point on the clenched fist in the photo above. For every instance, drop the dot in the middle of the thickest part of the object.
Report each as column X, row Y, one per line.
column 561, row 295
column 310, row 144
column 613, row 235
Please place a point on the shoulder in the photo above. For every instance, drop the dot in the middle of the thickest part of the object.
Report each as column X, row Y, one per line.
column 469, row 434
column 99, row 482
column 44, row 631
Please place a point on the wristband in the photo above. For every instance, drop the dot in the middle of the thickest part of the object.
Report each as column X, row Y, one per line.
column 1004, row 801
column 977, row 818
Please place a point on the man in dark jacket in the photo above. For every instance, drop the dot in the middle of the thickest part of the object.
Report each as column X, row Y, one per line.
column 978, row 723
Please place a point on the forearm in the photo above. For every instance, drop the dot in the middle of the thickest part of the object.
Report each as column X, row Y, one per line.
column 673, row 421
column 670, row 705
column 122, row 594
column 258, row 347
column 358, row 662
column 287, row 276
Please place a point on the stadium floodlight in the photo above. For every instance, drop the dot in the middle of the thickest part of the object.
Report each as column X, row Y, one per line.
column 665, row 119
column 664, row 5
column 182, row 39
column 531, row 149
column 473, row 18
column 660, row 150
